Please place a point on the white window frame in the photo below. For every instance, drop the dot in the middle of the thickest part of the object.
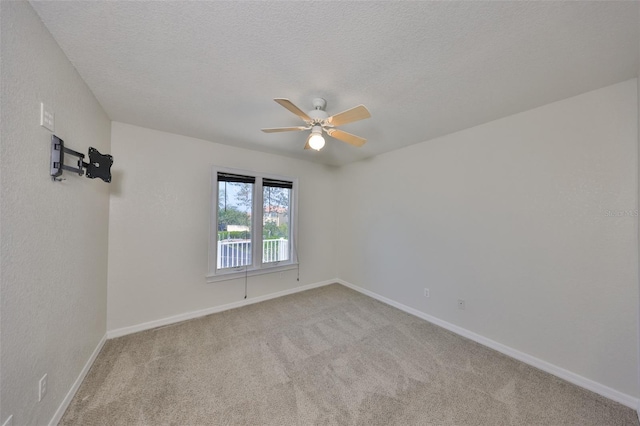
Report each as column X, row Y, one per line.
column 257, row 267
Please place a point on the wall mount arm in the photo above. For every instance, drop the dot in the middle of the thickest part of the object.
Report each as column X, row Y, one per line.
column 99, row 165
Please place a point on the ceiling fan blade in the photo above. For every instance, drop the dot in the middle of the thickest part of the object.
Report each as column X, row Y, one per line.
column 354, row 114
column 307, row 146
column 284, row 129
column 294, row 109
column 346, row 137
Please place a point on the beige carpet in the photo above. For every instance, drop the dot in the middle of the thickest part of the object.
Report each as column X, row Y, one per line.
column 328, row 356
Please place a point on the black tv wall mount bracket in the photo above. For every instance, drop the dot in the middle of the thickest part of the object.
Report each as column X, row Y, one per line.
column 99, row 165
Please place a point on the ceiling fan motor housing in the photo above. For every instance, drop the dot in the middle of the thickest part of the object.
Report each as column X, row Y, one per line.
column 318, row 116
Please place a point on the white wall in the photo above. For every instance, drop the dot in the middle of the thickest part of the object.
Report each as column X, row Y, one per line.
column 159, row 225
column 53, row 255
column 511, row 217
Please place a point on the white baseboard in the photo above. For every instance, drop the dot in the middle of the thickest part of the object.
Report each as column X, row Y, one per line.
column 118, row 332
column 569, row 376
column 76, row 385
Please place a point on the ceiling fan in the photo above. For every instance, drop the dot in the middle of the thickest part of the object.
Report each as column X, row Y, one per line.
column 318, row 121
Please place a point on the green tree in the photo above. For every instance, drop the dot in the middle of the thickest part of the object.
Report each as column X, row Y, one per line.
column 272, row 231
column 244, row 195
column 228, row 212
column 277, row 197
column 231, row 215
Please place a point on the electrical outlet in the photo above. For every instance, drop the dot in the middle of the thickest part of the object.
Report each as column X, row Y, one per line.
column 42, row 388
column 461, row 304
column 9, row 421
column 47, row 118
column 426, row 292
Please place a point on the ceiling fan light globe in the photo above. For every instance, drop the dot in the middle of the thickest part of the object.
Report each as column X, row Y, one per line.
column 316, row 141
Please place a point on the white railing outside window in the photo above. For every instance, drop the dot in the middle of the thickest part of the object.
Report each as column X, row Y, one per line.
column 234, row 253
column 275, row 250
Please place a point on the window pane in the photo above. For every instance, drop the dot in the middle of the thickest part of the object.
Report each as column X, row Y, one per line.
column 275, row 224
column 234, row 224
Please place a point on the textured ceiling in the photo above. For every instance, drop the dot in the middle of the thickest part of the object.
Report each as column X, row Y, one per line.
column 211, row 69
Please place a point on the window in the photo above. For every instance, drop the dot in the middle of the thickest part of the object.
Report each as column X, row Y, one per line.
column 252, row 223
column 235, row 205
column 276, row 229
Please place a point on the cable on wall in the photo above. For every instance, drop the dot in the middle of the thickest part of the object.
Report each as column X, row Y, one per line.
column 246, row 277
column 295, row 252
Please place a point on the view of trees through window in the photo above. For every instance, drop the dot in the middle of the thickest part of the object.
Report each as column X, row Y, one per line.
column 234, row 224
column 275, row 228
column 234, row 227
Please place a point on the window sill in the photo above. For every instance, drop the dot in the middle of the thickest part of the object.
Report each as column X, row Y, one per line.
column 236, row 274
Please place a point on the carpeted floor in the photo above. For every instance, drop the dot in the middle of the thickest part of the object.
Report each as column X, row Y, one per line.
column 328, row 356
